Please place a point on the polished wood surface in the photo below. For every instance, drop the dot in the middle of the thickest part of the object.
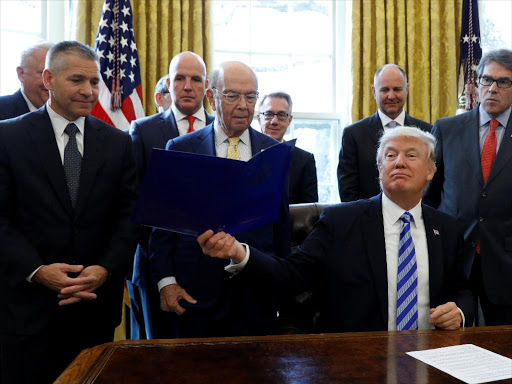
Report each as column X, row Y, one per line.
column 371, row 357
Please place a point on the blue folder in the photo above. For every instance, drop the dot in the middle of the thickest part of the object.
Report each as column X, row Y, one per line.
column 191, row 193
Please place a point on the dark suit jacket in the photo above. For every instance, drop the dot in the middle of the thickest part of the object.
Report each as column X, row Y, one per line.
column 358, row 177
column 483, row 210
column 38, row 225
column 303, row 184
column 203, row 277
column 13, row 105
column 346, row 251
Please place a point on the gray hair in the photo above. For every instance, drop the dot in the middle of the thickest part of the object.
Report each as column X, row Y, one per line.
column 410, row 132
column 218, row 73
column 174, row 62
column 54, row 57
column 26, row 55
column 278, row 95
column 501, row 56
column 161, row 87
column 402, row 71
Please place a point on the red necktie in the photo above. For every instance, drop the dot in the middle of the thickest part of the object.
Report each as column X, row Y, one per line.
column 488, row 156
column 191, row 120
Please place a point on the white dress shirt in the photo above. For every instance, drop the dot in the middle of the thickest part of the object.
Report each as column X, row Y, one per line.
column 385, row 119
column 182, row 122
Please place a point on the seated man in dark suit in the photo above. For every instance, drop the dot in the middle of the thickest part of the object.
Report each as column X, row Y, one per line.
column 357, row 174
column 67, row 194
column 275, row 115
column 187, row 83
column 32, row 93
column 163, row 98
column 196, row 290
column 386, row 263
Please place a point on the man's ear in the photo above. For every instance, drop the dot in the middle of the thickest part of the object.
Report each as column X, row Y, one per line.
column 48, row 79
column 20, row 73
column 211, row 99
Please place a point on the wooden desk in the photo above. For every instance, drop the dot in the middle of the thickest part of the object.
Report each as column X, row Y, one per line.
column 372, row 357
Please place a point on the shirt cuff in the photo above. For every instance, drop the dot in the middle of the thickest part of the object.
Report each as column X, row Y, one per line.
column 29, row 278
column 463, row 318
column 235, row 268
column 166, row 281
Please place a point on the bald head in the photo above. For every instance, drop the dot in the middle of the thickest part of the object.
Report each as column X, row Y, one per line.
column 187, row 82
column 233, row 95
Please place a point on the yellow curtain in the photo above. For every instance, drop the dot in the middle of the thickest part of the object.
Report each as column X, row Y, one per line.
column 163, row 28
column 422, row 36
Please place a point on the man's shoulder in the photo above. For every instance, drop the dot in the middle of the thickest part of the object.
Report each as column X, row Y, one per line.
column 367, row 121
column 438, row 216
column 302, row 156
column 415, row 122
column 13, row 105
column 150, row 121
column 91, row 121
column 352, row 208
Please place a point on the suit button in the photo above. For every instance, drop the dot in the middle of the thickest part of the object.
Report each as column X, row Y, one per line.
column 484, row 194
column 480, row 219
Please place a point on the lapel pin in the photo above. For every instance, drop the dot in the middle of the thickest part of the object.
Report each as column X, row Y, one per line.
column 436, row 232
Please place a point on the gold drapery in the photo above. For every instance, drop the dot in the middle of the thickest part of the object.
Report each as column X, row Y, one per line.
column 422, row 36
column 163, row 28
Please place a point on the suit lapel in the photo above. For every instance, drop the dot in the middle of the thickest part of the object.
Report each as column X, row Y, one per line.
column 470, row 141
column 91, row 161
column 205, row 141
column 375, row 128
column 504, row 153
column 45, row 146
column 168, row 126
column 256, row 142
column 434, row 235
column 375, row 244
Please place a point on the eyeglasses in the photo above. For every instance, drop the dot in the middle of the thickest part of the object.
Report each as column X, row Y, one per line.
column 233, row 97
column 503, row 82
column 281, row 116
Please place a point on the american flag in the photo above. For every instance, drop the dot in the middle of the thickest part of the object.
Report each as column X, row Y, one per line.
column 470, row 54
column 120, row 93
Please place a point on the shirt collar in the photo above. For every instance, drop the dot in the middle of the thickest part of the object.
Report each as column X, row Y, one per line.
column 220, row 135
column 485, row 117
column 59, row 123
column 385, row 119
column 391, row 212
column 199, row 114
column 31, row 107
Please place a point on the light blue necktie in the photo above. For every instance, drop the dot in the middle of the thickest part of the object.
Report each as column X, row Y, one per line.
column 407, row 279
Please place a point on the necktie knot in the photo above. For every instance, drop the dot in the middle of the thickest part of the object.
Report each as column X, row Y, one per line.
column 406, row 217
column 494, row 125
column 71, row 130
column 233, row 148
column 190, row 120
column 392, row 124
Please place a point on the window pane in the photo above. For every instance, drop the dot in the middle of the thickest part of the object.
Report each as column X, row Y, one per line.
column 495, row 25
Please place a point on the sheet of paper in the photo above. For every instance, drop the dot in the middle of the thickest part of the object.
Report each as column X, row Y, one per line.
column 468, row 363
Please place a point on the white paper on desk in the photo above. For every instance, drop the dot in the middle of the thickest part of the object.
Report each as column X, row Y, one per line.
column 467, row 362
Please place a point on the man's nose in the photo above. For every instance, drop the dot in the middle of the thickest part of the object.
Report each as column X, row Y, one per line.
column 188, row 84
column 86, row 89
column 493, row 87
column 275, row 120
column 399, row 161
column 391, row 94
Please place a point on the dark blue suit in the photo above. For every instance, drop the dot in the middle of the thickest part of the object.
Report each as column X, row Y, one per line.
column 358, row 177
column 13, row 105
column 344, row 258
column 483, row 210
column 38, row 226
column 148, row 133
column 225, row 307
column 302, row 175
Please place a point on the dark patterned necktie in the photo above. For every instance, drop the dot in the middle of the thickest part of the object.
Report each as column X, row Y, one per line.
column 72, row 163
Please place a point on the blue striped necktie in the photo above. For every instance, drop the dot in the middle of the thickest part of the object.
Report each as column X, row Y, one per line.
column 407, row 279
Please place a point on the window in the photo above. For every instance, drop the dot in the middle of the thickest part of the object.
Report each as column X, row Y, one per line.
column 302, row 48
column 495, row 26
column 42, row 20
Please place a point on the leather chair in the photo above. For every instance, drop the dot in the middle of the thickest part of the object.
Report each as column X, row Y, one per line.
column 300, row 314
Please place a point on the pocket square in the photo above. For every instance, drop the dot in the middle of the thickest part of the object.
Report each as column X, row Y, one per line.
column 436, row 232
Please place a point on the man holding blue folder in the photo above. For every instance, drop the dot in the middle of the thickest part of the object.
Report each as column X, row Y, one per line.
column 198, row 293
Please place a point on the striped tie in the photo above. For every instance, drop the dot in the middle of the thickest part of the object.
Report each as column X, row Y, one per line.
column 407, row 279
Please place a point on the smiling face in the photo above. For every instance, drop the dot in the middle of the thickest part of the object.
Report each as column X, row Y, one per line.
column 234, row 117
column 73, row 88
column 31, row 78
column 495, row 100
column 390, row 91
column 187, row 83
column 275, row 128
column 405, row 169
